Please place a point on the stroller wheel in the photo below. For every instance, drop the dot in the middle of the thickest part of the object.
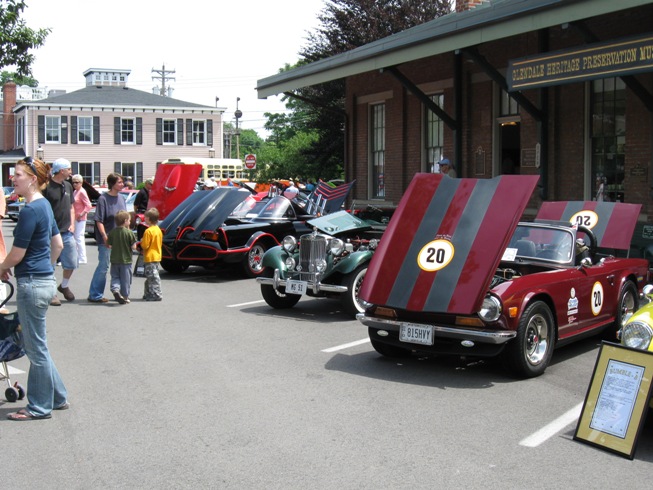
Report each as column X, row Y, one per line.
column 11, row 394
column 21, row 390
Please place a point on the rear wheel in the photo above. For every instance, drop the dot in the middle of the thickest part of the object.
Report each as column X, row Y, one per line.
column 277, row 298
column 529, row 353
column 253, row 261
column 173, row 266
column 351, row 303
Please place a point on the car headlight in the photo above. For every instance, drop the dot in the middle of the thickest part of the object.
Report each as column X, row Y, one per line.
column 637, row 335
column 290, row 263
column 289, row 243
column 320, row 265
column 490, row 309
column 336, row 247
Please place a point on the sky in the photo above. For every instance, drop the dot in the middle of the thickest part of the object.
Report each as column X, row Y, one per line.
column 217, row 48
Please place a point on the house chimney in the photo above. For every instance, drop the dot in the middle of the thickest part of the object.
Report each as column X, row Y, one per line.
column 462, row 5
column 9, row 102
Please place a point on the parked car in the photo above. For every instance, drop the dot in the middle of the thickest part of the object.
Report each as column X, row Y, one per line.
column 331, row 261
column 637, row 333
column 14, row 208
column 128, row 195
column 457, row 273
column 204, row 230
column 9, row 192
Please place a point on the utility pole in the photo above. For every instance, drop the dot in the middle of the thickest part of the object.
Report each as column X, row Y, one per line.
column 163, row 76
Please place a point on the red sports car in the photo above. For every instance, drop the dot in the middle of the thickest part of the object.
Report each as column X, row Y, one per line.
column 457, row 273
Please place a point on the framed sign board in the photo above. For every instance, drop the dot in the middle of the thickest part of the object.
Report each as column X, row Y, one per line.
column 617, row 399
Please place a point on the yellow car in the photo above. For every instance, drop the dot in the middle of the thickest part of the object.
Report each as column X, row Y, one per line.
column 638, row 330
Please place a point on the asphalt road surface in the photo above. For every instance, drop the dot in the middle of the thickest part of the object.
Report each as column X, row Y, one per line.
column 210, row 388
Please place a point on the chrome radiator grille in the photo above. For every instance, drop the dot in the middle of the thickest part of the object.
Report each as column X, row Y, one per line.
column 311, row 248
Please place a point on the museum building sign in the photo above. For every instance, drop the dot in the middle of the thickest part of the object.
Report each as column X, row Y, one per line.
column 609, row 59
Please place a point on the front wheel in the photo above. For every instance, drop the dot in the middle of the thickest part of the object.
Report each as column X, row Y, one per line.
column 529, row 353
column 253, row 261
column 627, row 306
column 351, row 303
column 277, row 298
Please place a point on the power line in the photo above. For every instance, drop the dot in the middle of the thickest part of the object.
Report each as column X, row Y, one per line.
column 163, row 76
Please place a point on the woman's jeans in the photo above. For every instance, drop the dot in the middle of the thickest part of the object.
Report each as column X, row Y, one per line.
column 99, row 280
column 45, row 389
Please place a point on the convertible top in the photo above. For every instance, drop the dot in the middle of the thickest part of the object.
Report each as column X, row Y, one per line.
column 445, row 241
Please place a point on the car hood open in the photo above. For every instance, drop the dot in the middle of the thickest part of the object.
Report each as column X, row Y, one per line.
column 445, row 241
column 340, row 222
column 612, row 223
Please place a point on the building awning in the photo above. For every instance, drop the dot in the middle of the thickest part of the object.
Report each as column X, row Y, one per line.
column 488, row 22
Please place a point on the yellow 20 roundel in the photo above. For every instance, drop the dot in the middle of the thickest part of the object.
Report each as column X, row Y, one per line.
column 435, row 255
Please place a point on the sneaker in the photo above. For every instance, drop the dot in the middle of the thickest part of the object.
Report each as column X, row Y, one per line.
column 55, row 302
column 126, row 299
column 118, row 297
column 100, row 300
column 67, row 293
column 153, row 299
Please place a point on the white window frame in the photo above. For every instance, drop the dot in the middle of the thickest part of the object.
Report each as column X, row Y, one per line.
column 166, row 133
column 434, row 137
column 85, row 127
column 130, row 174
column 377, row 151
column 199, row 132
column 125, row 132
column 19, row 126
column 87, row 174
column 52, row 129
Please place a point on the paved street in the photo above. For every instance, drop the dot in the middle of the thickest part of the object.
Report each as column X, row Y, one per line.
column 212, row 389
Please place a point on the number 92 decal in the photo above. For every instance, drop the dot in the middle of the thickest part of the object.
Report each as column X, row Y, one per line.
column 435, row 255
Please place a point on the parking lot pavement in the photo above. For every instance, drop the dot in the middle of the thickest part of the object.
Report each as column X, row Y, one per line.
column 211, row 388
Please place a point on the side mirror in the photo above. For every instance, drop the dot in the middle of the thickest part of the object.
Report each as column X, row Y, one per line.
column 586, row 262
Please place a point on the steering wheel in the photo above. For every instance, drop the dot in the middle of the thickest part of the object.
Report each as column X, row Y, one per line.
column 591, row 237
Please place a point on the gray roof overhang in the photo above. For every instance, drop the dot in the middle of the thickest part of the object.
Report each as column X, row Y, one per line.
column 489, row 22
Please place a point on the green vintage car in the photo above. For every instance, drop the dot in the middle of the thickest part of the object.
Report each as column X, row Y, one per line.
column 330, row 262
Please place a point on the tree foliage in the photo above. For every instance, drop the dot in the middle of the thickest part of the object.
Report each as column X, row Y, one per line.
column 28, row 80
column 344, row 25
column 16, row 39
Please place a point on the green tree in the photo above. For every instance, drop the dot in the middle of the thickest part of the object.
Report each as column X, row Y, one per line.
column 344, row 25
column 17, row 39
column 28, row 80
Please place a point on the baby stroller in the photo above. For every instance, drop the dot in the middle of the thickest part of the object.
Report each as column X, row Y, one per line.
column 11, row 346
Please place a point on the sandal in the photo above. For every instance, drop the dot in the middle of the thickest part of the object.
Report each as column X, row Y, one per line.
column 23, row 414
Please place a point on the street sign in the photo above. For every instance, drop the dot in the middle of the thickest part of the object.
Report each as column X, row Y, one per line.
column 250, row 161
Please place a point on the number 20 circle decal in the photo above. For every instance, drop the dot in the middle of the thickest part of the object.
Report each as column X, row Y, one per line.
column 586, row 218
column 435, row 255
column 597, row 298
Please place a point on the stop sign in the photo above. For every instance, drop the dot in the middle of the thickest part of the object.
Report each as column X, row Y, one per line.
column 250, row 161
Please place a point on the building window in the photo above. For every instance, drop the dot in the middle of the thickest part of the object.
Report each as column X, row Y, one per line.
column 434, row 134
column 199, row 132
column 509, row 106
column 52, row 129
column 127, row 130
column 85, row 130
column 608, row 113
column 377, row 148
column 19, row 132
column 86, row 171
column 169, row 131
column 128, row 172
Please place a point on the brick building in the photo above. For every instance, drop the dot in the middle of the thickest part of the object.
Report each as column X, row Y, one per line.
column 562, row 89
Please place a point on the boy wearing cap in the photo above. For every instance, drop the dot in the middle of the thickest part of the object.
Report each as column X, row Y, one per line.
column 59, row 193
column 446, row 168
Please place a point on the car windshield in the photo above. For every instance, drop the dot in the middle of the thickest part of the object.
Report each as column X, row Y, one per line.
column 278, row 207
column 244, row 208
column 541, row 243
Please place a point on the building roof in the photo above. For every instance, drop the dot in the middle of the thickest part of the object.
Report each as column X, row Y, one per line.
column 114, row 96
column 489, row 21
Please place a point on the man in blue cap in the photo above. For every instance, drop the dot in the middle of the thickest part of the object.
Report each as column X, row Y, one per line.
column 446, row 168
column 59, row 192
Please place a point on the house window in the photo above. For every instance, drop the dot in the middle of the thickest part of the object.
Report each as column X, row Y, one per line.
column 19, row 132
column 128, row 172
column 434, row 134
column 86, row 171
column 199, row 132
column 127, row 130
column 52, row 129
column 169, row 131
column 377, row 148
column 608, row 114
column 85, row 130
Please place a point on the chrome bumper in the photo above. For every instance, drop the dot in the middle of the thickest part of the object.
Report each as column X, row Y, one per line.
column 316, row 286
column 483, row 336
